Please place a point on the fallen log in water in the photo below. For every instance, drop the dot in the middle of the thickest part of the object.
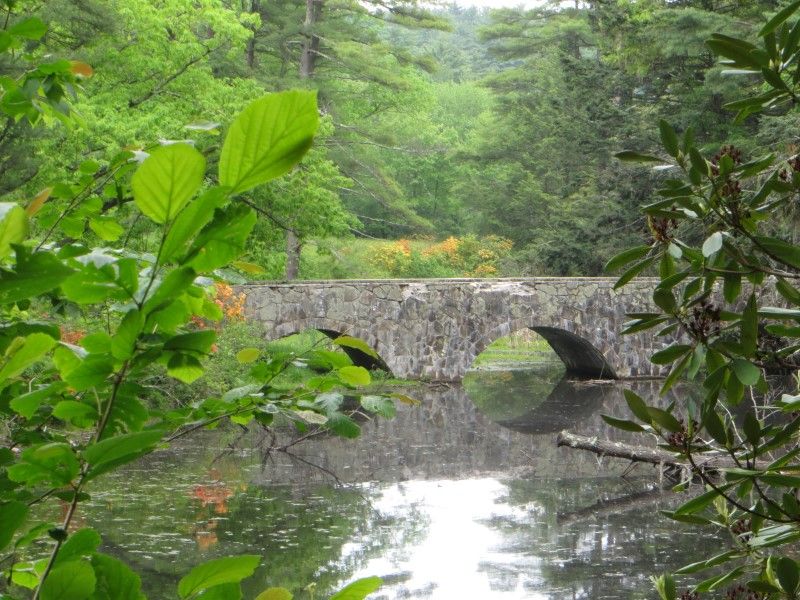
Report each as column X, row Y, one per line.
column 613, row 506
column 656, row 456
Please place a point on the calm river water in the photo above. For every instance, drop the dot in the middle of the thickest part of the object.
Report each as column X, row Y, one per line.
column 465, row 497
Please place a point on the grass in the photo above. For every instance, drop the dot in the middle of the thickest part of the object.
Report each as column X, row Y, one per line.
column 524, row 346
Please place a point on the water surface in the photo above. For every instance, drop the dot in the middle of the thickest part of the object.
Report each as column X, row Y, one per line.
column 463, row 497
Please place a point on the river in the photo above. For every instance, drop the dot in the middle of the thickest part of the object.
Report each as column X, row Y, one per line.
column 464, row 497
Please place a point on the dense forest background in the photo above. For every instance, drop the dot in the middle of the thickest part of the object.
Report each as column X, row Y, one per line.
column 455, row 141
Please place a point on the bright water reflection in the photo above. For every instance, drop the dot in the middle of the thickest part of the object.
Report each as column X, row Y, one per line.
column 447, row 502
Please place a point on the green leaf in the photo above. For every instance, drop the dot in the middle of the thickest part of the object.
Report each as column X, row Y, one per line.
column 634, row 271
column 275, row 594
column 631, row 156
column 267, row 139
column 358, row 590
column 746, row 372
column 622, row 423
column 125, row 447
column 124, row 340
column 34, row 274
column 779, row 18
column 636, row 405
column 167, row 180
column 115, row 580
column 231, row 569
column 698, row 503
column 79, row 414
column 23, row 352
column 783, row 251
column 82, row 543
column 93, row 371
column 247, row 355
column 106, row 228
column 749, row 327
column 74, row 580
column 379, row 405
column 13, row 226
column 355, row 376
column 191, row 220
column 185, row 368
column 172, row 286
column 12, row 517
column 27, row 404
column 787, row 572
column 346, row 341
column 31, row 28
column 665, row 586
column 664, row 419
column 196, row 341
column 54, row 463
column 623, row 258
column 670, row 354
column 226, row 591
column 343, row 426
column 223, row 239
column 752, row 428
column 668, row 138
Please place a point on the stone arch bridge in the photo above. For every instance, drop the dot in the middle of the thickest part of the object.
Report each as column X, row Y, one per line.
column 434, row 328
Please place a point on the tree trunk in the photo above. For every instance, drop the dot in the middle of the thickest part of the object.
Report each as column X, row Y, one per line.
column 293, row 247
column 707, row 461
column 255, row 7
column 308, row 57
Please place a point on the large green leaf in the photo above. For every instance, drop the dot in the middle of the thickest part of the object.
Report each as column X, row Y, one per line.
column 74, row 580
column 222, row 240
column 13, row 226
column 23, row 352
column 167, row 180
column 231, row 569
column 191, row 220
column 355, row 376
column 267, row 139
column 34, row 274
column 54, row 463
column 115, row 580
column 359, row 589
column 12, row 516
column 79, row 544
column 121, row 448
column 379, row 405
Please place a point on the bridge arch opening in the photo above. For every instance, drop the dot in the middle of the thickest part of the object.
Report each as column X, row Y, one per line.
column 577, row 354
column 323, row 349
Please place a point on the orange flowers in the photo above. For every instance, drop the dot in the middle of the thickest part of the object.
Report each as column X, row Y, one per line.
column 231, row 303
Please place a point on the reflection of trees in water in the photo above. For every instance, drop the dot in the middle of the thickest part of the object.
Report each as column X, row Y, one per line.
column 175, row 513
column 612, row 556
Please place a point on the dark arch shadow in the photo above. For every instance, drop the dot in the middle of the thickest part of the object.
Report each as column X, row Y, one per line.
column 570, row 402
column 579, row 356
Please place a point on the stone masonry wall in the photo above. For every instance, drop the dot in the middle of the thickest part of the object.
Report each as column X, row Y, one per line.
column 433, row 329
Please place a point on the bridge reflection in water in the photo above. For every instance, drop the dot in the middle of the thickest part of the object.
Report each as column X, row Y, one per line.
column 464, row 489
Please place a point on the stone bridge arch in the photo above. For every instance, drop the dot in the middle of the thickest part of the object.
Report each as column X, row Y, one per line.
column 434, row 328
column 575, row 346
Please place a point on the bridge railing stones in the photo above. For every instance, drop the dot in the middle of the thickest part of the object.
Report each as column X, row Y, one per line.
column 434, row 328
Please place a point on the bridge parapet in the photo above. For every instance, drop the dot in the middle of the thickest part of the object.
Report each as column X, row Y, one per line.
column 434, row 328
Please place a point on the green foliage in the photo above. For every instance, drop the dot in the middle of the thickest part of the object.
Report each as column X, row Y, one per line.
column 73, row 404
column 728, row 269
